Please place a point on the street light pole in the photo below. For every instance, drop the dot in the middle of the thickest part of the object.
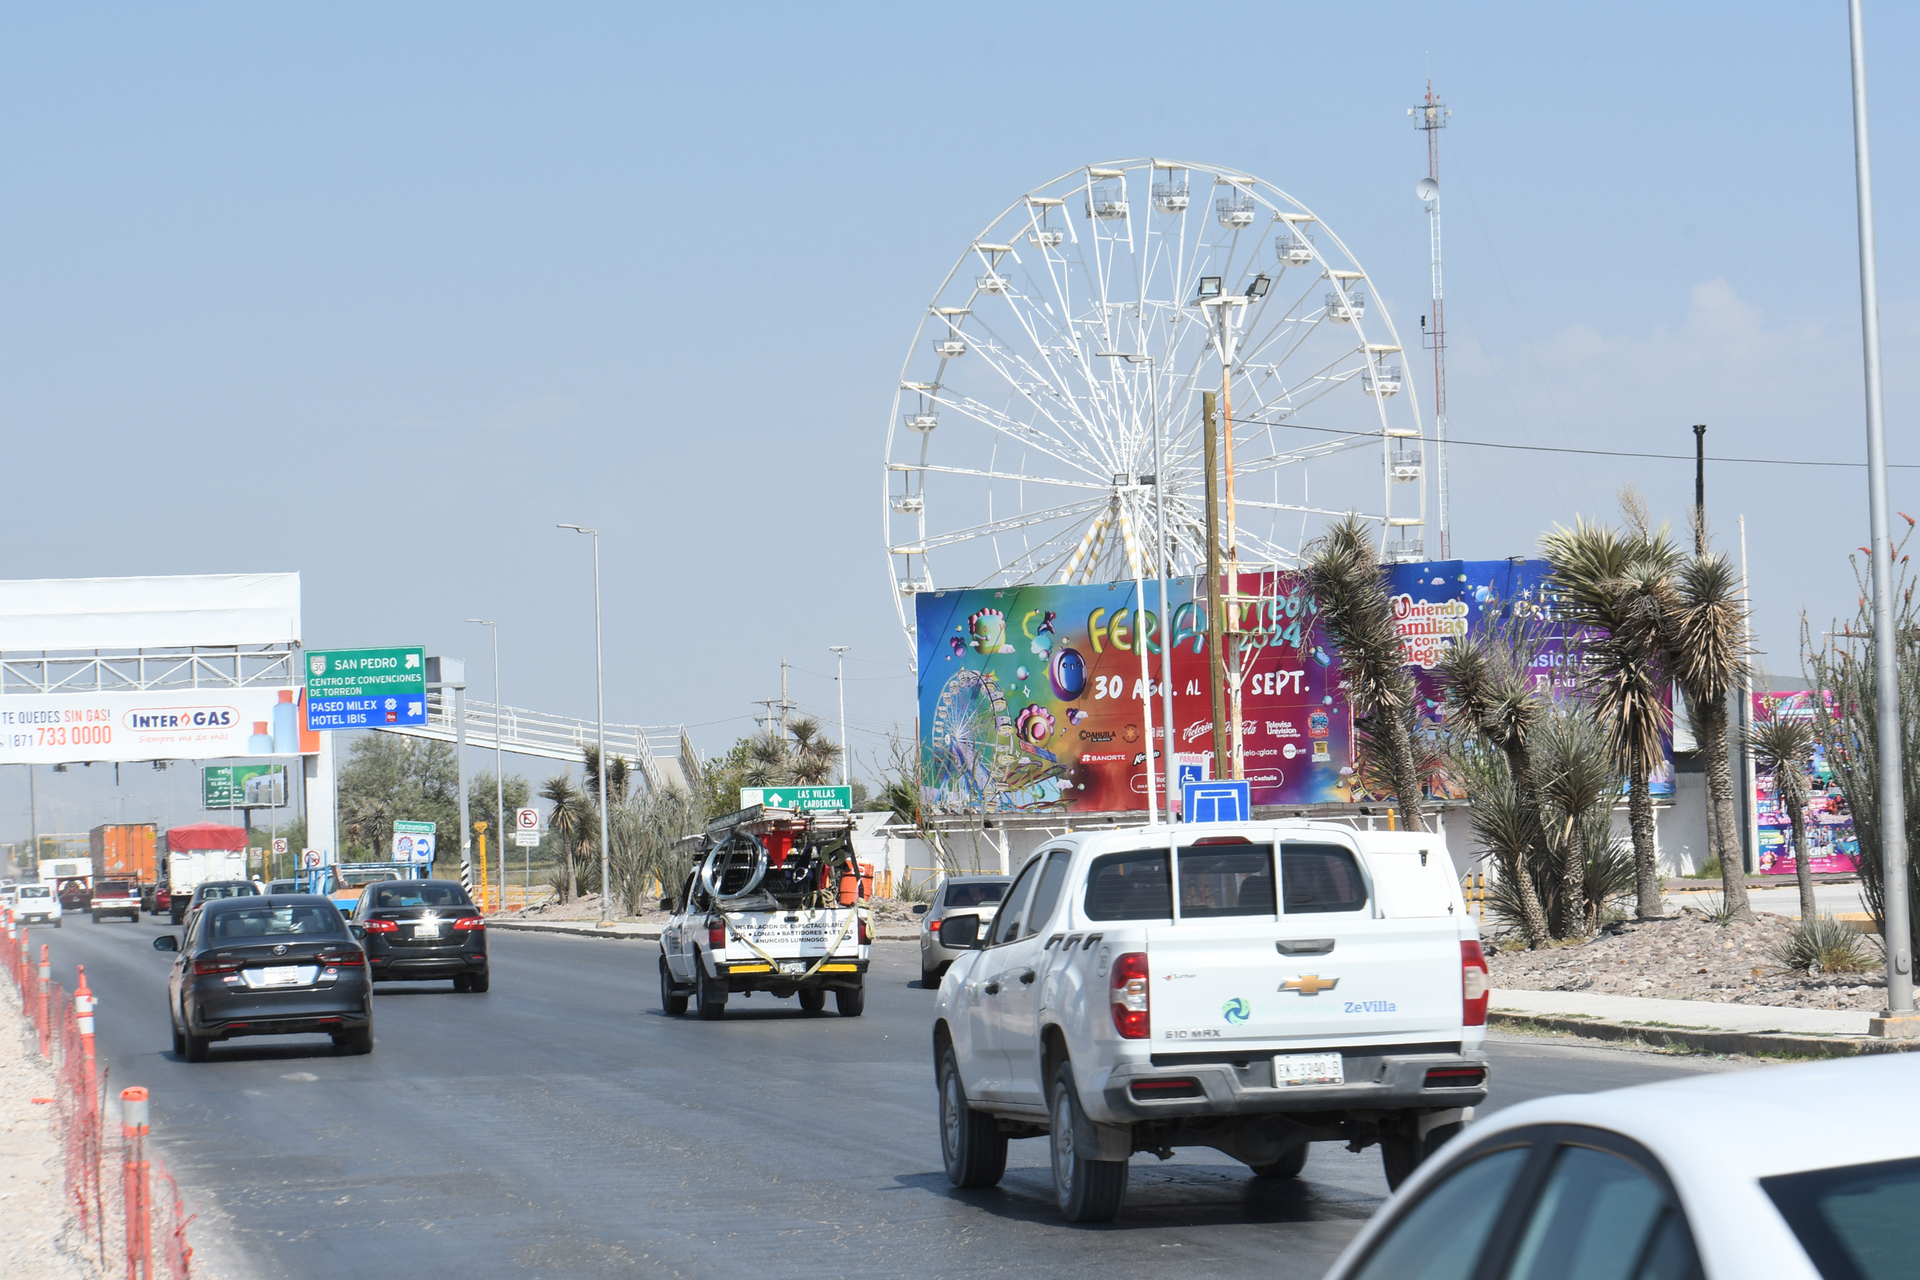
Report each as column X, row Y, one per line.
column 499, row 778
column 839, row 682
column 1170, row 769
column 1899, row 1019
column 600, row 704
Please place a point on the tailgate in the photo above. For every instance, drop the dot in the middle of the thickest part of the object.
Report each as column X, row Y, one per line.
column 1218, row 984
column 794, row 935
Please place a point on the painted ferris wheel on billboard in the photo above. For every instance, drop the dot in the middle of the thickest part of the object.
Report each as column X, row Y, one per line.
column 1099, row 307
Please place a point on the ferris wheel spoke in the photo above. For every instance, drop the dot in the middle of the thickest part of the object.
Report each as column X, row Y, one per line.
column 1006, row 424
column 1015, row 476
column 934, row 542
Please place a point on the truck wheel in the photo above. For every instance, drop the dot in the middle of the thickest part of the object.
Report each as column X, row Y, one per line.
column 1402, row 1153
column 710, row 997
column 96, row 917
column 813, row 999
column 1287, row 1166
column 672, row 1003
column 850, row 1001
column 1086, row 1190
column 971, row 1144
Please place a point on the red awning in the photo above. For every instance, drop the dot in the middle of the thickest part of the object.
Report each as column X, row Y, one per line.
column 205, row 835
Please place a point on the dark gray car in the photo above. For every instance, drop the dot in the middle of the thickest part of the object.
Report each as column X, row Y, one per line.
column 961, row 898
column 267, row 966
column 420, row 930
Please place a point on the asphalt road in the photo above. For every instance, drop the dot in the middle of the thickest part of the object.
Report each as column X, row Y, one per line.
column 561, row 1126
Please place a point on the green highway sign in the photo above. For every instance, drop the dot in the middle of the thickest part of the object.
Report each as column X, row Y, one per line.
column 234, row 786
column 365, row 688
column 806, row 798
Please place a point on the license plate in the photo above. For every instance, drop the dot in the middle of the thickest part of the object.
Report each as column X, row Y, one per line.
column 793, row 966
column 281, row 975
column 1308, row 1068
column 426, row 931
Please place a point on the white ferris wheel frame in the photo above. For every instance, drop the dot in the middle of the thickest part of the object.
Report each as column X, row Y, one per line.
column 1099, row 414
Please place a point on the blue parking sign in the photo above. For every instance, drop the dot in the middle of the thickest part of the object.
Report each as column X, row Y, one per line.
column 1217, row 800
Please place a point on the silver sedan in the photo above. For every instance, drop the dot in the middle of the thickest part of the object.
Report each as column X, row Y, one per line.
column 958, row 897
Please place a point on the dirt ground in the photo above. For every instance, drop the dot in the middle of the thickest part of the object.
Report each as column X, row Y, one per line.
column 34, row 1231
column 1689, row 957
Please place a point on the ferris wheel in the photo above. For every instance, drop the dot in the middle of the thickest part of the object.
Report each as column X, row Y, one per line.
column 1101, row 306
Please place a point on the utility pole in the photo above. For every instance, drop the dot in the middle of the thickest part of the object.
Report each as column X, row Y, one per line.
column 600, row 704
column 839, row 683
column 1899, row 1017
column 1216, row 660
column 1699, row 488
column 784, row 704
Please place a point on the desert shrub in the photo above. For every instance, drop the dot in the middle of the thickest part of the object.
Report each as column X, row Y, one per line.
column 1824, row 945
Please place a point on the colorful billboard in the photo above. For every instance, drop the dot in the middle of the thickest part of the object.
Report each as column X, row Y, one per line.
column 1831, row 842
column 1032, row 700
column 159, row 724
column 1437, row 601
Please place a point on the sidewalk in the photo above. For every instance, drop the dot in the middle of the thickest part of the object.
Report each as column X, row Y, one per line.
column 1703, row 1026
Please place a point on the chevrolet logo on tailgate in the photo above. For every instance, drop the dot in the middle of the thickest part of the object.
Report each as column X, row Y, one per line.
column 1310, row 985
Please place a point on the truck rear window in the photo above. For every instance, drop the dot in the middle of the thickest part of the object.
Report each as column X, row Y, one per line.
column 111, row 889
column 1214, row 882
column 1320, row 877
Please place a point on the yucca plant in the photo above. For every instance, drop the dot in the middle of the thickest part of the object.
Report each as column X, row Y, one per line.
column 1706, row 653
column 1619, row 587
column 1344, row 575
column 573, row 822
column 1782, row 747
column 1578, row 779
column 1822, row 944
column 1489, row 695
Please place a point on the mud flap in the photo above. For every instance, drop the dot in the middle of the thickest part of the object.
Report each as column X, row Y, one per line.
column 1432, row 1120
column 1099, row 1141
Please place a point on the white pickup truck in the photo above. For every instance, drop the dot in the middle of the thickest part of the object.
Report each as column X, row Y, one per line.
column 769, row 906
column 1096, row 1010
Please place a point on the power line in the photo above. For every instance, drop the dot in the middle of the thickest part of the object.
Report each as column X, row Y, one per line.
column 1598, row 453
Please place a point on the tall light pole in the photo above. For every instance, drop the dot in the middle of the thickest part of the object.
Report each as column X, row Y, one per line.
column 499, row 778
column 600, row 705
column 839, row 682
column 1899, row 1018
column 1170, row 768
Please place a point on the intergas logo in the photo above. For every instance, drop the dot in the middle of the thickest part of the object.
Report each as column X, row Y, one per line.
column 159, row 719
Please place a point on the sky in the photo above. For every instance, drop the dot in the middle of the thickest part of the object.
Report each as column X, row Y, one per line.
column 381, row 294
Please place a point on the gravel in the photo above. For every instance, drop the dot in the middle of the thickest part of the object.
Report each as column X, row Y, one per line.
column 35, row 1232
column 1689, row 957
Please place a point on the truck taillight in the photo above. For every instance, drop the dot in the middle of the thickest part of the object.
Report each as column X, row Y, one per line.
column 1476, row 985
column 717, row 934
column 469, row 922
column 865, row 940
column 1130, row 1014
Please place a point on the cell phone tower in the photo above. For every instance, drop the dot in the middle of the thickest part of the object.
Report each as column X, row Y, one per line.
column 1430, row 117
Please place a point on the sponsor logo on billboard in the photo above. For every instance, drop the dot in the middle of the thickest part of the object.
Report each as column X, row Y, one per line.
column 181, row 718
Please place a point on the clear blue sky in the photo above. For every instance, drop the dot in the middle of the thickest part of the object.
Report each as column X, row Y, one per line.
column 380, row 293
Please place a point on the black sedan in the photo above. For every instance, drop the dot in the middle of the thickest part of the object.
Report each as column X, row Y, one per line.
column 419, row 930
column 267, row 966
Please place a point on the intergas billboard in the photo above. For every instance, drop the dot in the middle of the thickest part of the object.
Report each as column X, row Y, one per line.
column 163, row 724
column 1031, row 697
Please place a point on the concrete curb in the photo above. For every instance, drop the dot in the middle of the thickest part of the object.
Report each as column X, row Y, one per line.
column 627, row 932
column 1700, row 1040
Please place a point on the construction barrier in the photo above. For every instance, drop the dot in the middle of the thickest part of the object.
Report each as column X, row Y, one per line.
column 140, row 1215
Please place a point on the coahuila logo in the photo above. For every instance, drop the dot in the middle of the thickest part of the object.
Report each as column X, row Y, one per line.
column 183, row 718
column 1236, row 1011
column 317, row 663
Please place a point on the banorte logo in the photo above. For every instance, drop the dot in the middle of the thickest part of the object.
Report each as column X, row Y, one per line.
column 161, row 719
column 1426, row 627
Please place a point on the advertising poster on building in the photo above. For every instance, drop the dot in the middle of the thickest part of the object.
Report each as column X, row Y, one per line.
column 169, row 724
column 1831, row 842
column 1437, row 601
column 1031, row 698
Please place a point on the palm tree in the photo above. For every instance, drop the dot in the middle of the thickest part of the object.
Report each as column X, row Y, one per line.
column 619, row 776
column 1782, row 747
column 1619, row 587
column 1577, row 778
column 1346, row 580
column 1706, row 656
column 814, row 757
column 1486, row 688
column 571, row 820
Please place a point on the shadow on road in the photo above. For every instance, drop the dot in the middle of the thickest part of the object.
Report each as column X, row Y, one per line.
column 1158, row 1196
